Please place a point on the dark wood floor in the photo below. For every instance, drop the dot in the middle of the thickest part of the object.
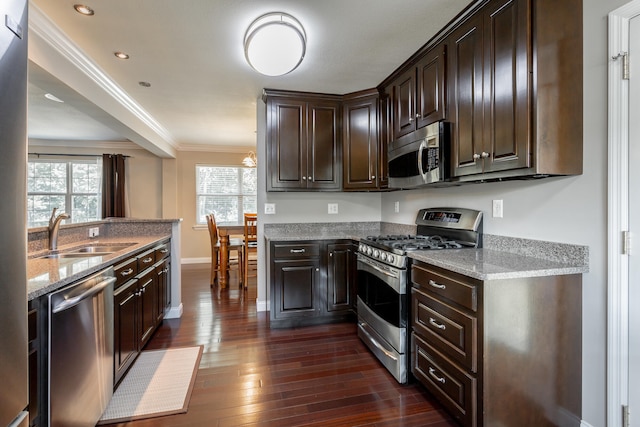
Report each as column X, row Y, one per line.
column 250, row 375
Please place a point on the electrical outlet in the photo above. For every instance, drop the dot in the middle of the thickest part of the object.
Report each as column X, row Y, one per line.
column 94, row 232
column 332, row 208
column 396, row 207
column 497, row 209
column 269, row 208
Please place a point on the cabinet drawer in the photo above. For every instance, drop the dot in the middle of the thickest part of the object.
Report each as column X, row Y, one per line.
column 301, row 250
column 454, row 388
column 146, row 260
column 125, row 271
column 161, row 251
column 451, row 331
column 454, row 287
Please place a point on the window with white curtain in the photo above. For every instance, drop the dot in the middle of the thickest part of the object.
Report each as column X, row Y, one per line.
column 71, row 185
column 227, row 192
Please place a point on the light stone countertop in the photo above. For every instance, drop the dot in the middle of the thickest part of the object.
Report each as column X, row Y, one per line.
column 501, row 257
column 45, row 275
column 488, row 264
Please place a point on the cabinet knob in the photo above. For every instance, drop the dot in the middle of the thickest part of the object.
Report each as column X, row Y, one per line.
column 304, row 178
column 417, row 115
column 317, row 269
column 373, row 177
column 484, row 155
column 476, row 156
column 410, row 119
column 309, row 178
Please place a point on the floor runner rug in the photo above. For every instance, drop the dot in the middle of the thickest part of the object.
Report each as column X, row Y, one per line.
column 159, row 383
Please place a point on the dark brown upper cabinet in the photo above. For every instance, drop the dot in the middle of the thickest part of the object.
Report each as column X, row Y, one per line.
column 304, row 147
column 418, row 94
column 490, row 90
column 362, row 148
column 515, row 90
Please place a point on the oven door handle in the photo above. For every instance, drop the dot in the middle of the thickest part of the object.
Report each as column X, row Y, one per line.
column 378, row 269
column 377, row 344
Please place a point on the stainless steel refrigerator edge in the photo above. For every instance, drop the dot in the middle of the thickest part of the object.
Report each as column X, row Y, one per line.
column 13, row 235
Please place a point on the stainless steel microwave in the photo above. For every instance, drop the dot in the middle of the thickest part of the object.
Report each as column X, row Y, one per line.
column 421, row 158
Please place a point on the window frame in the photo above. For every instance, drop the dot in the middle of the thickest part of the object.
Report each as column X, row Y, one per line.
column 69, row 162
column 240, row 195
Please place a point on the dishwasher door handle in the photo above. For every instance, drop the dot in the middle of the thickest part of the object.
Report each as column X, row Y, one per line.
column 71, row 302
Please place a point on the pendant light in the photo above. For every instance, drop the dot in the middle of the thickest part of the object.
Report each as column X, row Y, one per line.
column 275, row 44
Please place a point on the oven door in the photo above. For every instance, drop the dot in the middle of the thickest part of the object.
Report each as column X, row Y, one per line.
column 383, row 314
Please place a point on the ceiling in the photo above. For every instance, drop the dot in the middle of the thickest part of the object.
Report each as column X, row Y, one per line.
column 203, row 94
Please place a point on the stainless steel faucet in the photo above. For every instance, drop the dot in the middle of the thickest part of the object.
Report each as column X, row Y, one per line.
column 54, row 226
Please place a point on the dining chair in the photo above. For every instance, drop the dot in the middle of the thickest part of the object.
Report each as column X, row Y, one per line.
column 235, row 244
column 250, row 245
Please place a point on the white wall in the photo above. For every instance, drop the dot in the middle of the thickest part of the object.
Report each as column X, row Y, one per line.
column 569, row 210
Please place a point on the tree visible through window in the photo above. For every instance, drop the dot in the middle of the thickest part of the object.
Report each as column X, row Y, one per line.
column 72, row 186
column 228, row 192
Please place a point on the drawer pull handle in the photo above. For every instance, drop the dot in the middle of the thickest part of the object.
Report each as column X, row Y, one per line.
column 432, row 372
column 297, row 251
column 437, row 324
column 147, row 260
column 164, row 251
column 436, row 285
column 126, row 273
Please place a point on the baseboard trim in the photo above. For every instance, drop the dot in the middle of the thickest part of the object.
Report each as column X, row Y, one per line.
column 195, row 261
column 174, row 312
column 262, row 305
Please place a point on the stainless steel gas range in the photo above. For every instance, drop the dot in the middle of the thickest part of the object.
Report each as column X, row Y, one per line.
column 383, row 279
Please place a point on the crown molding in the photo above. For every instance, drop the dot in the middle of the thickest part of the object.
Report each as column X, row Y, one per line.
column 216, row 148
column 41, row 26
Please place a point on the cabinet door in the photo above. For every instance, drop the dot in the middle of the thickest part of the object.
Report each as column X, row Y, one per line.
column 340, row 276
column 295, row 286
column 507, row 118
column 465, row 55
column 149, row 305
column 126, row 341
column 360, row 130
column 324, row 151
column 430, row 87
column 404, row 103
column 286, row 144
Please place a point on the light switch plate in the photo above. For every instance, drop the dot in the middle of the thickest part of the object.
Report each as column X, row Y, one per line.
column 94, row 232
column 497, row 209
column 332, row 208
column 269, row 208
column 396, row 207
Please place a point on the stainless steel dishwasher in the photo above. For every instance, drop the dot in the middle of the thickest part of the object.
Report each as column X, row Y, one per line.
column 80, row 345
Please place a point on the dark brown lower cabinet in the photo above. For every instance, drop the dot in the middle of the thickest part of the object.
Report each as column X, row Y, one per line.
column 499, row 352
column 311, row 282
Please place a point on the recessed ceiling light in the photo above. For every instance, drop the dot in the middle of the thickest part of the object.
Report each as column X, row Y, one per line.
column 121, row 55
column 144, row 84
column 52, row 97
column 83, row 9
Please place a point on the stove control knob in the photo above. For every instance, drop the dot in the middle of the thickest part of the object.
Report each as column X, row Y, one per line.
column 361, row 247
column 376, row 253
column 383, row 256
column 369, row 251
column 391, row 258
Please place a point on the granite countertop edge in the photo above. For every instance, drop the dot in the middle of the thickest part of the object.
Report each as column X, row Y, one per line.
column 488, row 264
column 41, row 266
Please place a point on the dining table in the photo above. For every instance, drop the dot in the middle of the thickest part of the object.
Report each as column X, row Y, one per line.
column 224, row 231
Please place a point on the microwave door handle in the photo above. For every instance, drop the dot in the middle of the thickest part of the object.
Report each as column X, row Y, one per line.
column 423, row 145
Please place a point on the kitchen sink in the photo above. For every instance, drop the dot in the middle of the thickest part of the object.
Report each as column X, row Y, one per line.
column 89, row 251
column 99, row 249
column 75, row 255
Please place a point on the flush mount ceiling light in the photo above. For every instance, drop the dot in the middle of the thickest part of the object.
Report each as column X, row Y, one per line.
column 83, row 9
column 250, row 161
column 275, row 44
column 121, row 55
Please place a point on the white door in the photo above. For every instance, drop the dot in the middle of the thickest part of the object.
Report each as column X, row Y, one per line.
column 634, row 221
